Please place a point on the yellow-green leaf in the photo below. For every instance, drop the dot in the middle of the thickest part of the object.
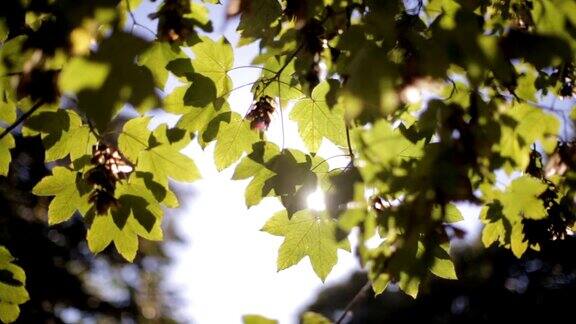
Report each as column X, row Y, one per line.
column 6, row 144
column 307, row 233
column 70, row 193
column 317, row 121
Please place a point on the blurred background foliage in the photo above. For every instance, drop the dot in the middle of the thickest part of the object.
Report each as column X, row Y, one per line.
column 65, row 281
column 492, row 286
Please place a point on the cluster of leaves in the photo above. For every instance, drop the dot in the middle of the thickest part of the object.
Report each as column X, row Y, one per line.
column 350, row 69
column 12, row 290
column 484, row 65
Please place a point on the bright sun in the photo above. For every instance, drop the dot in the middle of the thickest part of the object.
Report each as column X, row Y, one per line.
column 316, row 201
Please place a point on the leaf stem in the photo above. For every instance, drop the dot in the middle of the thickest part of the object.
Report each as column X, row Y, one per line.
column 276, row 75
column 326, row 160
column 251, row 67
column 22, row 118
column 350, row 152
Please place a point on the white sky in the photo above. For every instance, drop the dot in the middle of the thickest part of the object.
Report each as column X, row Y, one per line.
column 228, row 267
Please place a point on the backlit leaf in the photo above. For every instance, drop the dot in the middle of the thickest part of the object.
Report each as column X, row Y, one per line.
column 307, row 233
column 213, row 59
column 234, row 138
column 70, row 193
column 6, row 144
column 317, row 121
column 12, row 287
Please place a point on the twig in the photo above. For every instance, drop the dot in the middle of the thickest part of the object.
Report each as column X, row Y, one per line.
column 451, row 91
column 21, row 119
column 251, row 67
column 276, row 75
column 326, row 160
column 349, row 143
column 84, row 116
column 136, row 23
column 292, row 86
column 535, row 104
column 361, row 294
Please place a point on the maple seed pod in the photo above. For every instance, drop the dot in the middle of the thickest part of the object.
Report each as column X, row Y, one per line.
column 260, row 114
column 109, row 168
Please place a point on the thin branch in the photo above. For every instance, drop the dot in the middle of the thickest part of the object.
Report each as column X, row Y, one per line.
column 22, row 118
column 359, row 296
column 292, row 87
column 136, row 23
column 84, row 116
column 93, row 129
column 535, row 104
column 349, row 142
column 276, row 75
column 227, row 92
column 289, row 59
column 326, row 160
column 251, row 67
column 451, row 91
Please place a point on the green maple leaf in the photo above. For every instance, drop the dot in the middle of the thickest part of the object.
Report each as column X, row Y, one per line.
column 443, row 266
column 198, row 119
column 259, row 19
column 370, row 86
column 493, row 232
column 164, row 161
column 387, row 146
column 409, row 284
column 530, row 124
column 518, row 244
column 110, row 78
column 288, row 174
column 134, row 138
column 213, row 60
column 157, row 156
column 307, row 233
column 175, row 137
column 197, row 112
column 286, row 85
column 7, row 109
column 384, row 149
column 233, row 139
column 257, row 319
column 63, row 134
column 520, row 200
column 12, row 287
column 157, row 58
column 316, row 120
column 254, row 166
column 175, row 101
column 6, row 144
column 504, row 214
column 70, row 193
column 138, row 214
column 314, row 318
column 451, row 213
